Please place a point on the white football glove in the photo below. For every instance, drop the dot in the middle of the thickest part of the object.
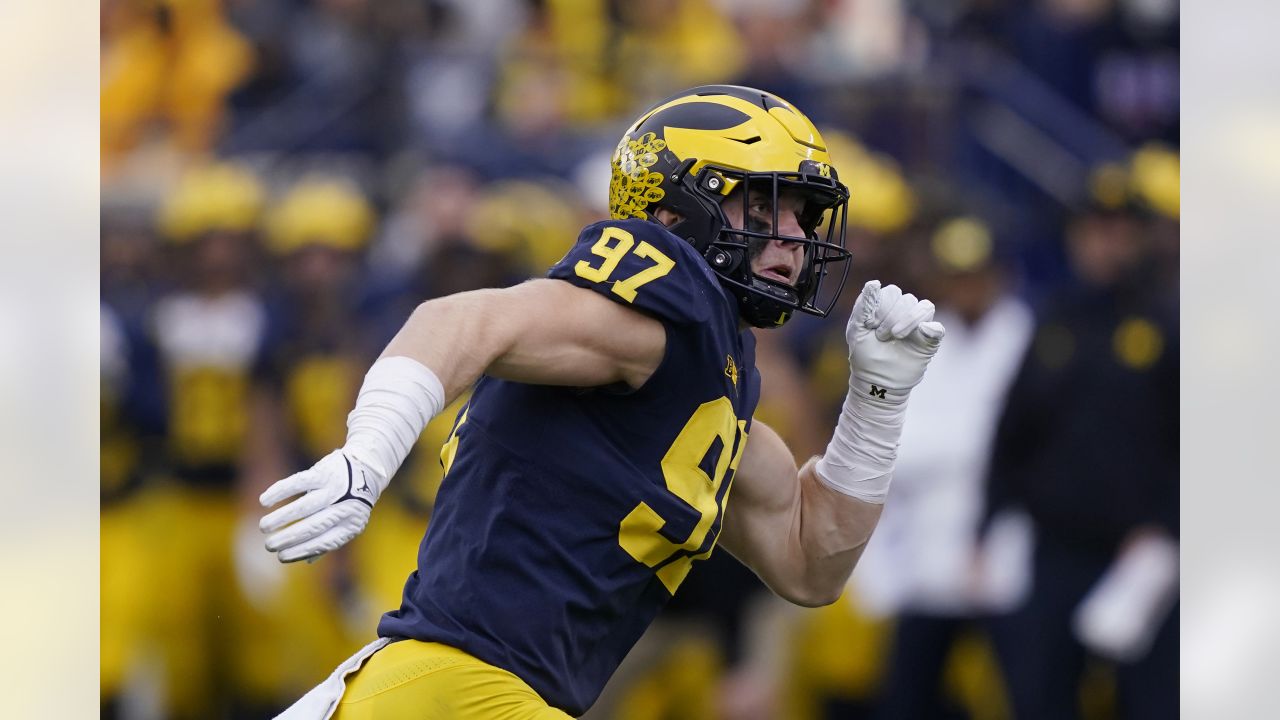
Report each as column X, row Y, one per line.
column 398, row 398
column 337, row 495
column 891, row 339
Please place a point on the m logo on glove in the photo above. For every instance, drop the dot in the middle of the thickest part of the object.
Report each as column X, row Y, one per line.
column 877, row 392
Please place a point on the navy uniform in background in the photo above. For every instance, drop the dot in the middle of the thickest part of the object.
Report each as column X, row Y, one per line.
column 1088, row 445
column 568, row 517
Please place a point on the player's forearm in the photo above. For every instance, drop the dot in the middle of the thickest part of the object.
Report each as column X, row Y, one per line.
column 801, row 535
column 830, row 532
column 842, row 494
column 442, row 348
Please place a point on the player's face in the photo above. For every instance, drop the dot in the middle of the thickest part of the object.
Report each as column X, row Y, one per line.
column 777, row 260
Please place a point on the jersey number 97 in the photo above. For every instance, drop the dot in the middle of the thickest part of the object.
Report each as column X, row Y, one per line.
column 639, row 533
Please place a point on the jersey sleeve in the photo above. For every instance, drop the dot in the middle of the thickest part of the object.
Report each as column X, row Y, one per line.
column 640, row 264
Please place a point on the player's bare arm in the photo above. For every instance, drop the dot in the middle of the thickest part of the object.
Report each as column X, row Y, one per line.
column 801, row 536
column 545, row 332
column 803, row 531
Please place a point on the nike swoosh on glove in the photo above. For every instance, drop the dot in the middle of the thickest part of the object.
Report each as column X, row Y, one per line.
column 892, row 336
column 336, row 496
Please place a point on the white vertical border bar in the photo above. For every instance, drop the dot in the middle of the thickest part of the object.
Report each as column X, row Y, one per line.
column 1230, row 282
column 48, row 357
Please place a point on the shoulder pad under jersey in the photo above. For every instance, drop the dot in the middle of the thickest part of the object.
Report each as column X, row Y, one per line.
column 639, row 263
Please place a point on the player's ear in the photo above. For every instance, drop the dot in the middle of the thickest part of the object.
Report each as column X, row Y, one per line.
column 667, row 217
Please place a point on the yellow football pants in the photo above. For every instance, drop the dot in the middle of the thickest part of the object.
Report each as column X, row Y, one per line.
column 413, row 680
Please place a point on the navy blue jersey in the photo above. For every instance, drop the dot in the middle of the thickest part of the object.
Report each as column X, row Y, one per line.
column 569, row 516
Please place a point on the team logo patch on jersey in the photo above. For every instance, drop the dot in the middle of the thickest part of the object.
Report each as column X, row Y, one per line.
column 731, row 369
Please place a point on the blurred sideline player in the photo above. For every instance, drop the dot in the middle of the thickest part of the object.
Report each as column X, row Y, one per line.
column 208, row 333
column 1088, row 445
column 308, row 372
column 132, row 425
column 608, row 421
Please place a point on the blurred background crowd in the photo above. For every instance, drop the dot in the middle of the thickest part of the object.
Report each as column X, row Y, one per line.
column 284, row 180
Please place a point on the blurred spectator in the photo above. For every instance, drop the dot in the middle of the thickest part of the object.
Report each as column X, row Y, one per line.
column 1088, row 445
column 664, row 46
column 771, row 38
column 567, row 44
column 866, row 40
column 456, row 264
column 325, row 80
column 532, row 224
column 434, row 210
column 920, row 566
column 833, row 665
column 167, row 67
column 131, row 274
column 132, row 403
column 886, row 202
column 451, row 60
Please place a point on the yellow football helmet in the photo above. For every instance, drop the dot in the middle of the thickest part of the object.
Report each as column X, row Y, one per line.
column 218, row 196
column 689, row 152
column 320, row 210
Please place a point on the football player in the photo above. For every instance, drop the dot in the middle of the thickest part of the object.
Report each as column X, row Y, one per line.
column 208, row 334
column 609, row 419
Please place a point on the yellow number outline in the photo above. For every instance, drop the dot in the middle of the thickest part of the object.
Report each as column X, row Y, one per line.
column 450, row 448
column 638, row 533
column 613, row 253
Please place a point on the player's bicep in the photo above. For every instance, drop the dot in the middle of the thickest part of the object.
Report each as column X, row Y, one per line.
column 567, row 335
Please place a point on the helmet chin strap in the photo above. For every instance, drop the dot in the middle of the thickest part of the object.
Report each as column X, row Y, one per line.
column 770, row 305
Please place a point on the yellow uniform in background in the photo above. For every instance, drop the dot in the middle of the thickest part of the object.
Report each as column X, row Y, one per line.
column 207, row 347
